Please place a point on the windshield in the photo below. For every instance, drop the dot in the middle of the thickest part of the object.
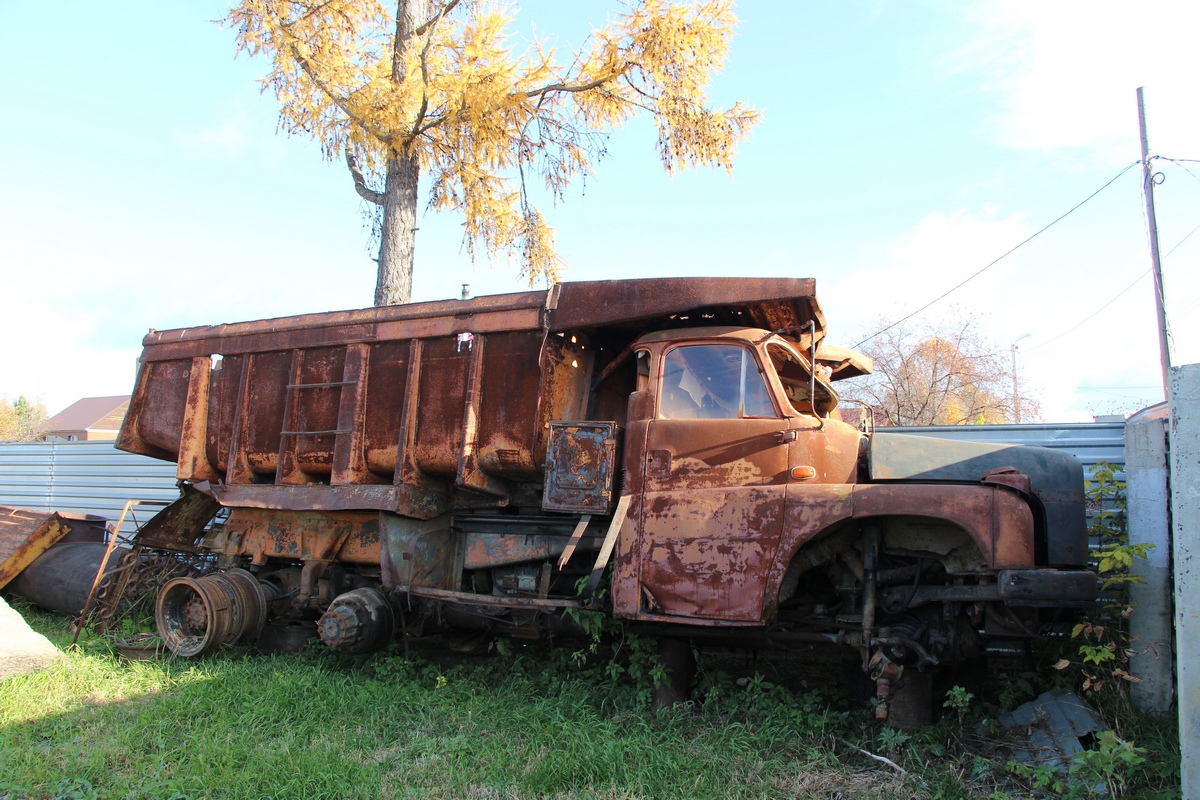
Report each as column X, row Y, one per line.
column 713, row 381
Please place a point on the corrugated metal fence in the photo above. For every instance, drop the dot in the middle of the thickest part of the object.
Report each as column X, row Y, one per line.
column 96, row 478
column 83, row 478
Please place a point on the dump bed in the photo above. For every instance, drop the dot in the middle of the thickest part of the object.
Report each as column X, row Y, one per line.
column 404, row 408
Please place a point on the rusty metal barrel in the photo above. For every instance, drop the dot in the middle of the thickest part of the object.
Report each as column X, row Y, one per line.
column 60, row 578
column 196, row 614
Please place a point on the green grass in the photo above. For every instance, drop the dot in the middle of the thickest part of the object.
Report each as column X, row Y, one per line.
column 319, row 725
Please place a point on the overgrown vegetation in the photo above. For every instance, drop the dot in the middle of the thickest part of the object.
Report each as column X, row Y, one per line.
column 530, row 721
column 537, row 722
column 1096, row 663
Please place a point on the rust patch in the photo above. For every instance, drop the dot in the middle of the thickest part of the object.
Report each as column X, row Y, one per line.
column 298, row 536
column 25, row 535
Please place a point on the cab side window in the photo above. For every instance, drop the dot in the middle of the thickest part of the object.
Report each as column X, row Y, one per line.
column 796, row 380
column 712, row 381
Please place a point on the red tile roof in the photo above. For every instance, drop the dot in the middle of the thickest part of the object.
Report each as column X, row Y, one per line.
column 87, row 412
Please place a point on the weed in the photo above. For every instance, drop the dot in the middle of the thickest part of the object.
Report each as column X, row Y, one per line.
column 1039, row 776
column 1103, row 769
column 958, row 699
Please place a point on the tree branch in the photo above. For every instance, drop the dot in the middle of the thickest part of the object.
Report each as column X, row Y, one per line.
column 417, row 129
column 436, row 18
column 360, row 183
column 880, row 759
column 568, row 88
column 336, row 99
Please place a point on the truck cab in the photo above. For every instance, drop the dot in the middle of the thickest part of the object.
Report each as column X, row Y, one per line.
column 722, row 429
column 756, row 508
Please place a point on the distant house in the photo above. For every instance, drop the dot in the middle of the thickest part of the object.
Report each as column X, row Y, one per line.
column 89, row 419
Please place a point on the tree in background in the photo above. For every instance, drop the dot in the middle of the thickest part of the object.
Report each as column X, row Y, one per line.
column 432, row 87
column 942, row 373
column 21, row 420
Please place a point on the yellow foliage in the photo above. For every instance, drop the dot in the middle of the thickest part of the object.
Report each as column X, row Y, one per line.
column 481, row 118
column 21, row 420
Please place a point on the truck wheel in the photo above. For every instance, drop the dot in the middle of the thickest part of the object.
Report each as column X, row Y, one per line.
column 675, row 655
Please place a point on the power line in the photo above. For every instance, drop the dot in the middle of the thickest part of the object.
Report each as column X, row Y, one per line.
column 1094, row 313
column 979, row 272
column 1179, row 163
column 1117, row 297
column 1181, row 241
column 1102, row 388
column 1123, row 291
column 1117, row 394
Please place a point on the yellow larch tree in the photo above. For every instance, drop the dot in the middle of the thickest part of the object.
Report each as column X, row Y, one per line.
column 434, row 88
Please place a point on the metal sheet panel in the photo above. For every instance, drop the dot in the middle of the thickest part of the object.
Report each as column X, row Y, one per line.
column 1090, row 442
column 84, row 478
column 580, row 465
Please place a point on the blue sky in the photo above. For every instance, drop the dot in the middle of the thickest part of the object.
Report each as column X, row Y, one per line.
column 903, row 146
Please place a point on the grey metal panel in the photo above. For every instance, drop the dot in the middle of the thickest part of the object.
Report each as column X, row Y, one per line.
column 83, row 477
column 1090, row 442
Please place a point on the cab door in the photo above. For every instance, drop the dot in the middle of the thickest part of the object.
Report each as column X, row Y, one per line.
column 714, row 478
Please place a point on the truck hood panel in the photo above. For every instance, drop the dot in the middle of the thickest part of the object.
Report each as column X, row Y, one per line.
column 1053, row 475
column 1055, row 478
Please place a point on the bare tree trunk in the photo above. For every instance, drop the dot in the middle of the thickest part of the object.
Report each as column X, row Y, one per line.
column 398, row 229
column 398, row 232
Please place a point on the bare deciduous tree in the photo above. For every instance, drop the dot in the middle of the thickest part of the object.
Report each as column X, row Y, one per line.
column 942, row 373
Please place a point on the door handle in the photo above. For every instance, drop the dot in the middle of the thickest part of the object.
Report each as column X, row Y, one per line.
column 659, row 465
column 783, row 437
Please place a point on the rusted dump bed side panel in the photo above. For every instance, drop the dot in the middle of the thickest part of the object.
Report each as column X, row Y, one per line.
column 405, row 407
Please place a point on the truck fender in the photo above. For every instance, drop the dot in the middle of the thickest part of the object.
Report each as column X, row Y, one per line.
column 996, row 518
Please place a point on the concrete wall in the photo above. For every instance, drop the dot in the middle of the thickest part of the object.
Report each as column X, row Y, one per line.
column 1152, row 625
column 1185, row 524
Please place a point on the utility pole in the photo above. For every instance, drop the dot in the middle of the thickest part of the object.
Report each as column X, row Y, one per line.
column 1164, row 352
column 1016, row 398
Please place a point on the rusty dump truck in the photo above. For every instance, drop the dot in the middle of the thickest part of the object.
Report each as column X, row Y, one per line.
column 666, row 451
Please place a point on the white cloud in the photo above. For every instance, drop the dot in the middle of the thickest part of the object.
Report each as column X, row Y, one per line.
column 942, row 249
column 241, row 127
column 1034, row 290
column 226, row 139
column 56, row 361
column 1067, row 72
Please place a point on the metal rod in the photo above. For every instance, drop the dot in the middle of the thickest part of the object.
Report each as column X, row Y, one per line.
column 315, row 433
column 326, row 385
